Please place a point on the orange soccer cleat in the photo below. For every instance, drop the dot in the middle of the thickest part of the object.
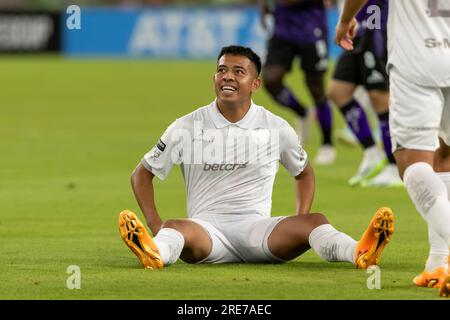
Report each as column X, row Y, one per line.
column 377, row 235
column 444, row 291
column 432, row 279
column 139, row 241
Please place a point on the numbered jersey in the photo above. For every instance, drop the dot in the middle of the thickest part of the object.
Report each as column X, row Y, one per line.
column 419, row 40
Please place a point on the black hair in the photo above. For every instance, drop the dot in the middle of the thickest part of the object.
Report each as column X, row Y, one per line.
column 242, row 51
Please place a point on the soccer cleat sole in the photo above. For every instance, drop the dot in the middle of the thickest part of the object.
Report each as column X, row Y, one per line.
column 382, row 229
column 135, row 236
column 444, row 291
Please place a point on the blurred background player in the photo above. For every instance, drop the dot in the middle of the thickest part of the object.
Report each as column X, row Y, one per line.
column 366, row 66
column 419, row 64
column 300, row 30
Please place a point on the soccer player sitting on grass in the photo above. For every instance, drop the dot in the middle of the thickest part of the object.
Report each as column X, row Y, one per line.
column 229, row 152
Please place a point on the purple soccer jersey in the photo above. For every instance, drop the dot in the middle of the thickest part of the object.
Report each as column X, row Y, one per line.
column 301, row 21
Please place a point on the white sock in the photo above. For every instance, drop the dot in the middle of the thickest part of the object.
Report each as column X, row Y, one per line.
column 438, row 246
column 170, row 243
column 438, row 251
column 429, row 194
column 332, row 245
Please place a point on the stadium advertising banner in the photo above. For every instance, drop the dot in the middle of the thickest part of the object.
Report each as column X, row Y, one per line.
column 29, row 32
column 165, row 32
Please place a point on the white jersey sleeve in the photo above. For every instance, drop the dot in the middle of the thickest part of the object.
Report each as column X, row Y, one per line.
column 167, row 152
column 419, row 40
column 292, row 155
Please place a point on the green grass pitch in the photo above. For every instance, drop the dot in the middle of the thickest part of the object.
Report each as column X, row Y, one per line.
column 71, row 133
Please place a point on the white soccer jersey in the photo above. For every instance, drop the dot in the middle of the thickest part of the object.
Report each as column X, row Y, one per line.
column 419, row 40
column 228, row 168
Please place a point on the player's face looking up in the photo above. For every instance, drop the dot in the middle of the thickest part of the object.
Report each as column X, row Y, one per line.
column 235, row 80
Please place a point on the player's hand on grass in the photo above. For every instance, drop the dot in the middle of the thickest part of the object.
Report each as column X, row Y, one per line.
column 345, row 33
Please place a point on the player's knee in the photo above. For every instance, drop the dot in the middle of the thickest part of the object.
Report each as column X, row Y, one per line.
column 379, row 100
column 318, row 219
column 401, row 164
column 332, row 95
column 340, row 92
column 442, row 159
column 338, row 97
column 173, row 224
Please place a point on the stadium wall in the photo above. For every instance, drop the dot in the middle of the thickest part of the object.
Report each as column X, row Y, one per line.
column 30, row 31
column 168, row 32
column 148, row 32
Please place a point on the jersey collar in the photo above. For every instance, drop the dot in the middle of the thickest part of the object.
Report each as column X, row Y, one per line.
column 248, row 122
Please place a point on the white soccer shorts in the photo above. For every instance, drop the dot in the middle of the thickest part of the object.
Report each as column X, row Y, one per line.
column 418, row 114
column 238, row 238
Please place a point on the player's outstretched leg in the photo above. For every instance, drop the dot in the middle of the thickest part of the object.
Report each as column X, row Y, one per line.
column 139, row 241
column 377, row 235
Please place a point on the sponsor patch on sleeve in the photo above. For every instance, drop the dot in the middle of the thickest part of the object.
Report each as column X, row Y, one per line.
column 302, row 153
column 161, row 145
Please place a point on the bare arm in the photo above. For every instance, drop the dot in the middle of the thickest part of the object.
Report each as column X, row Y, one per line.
column 304, row 190
column 142, row 184
column 346, row 28
column 351, row 8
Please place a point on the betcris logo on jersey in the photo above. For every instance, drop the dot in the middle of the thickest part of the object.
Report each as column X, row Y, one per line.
column 224, row 166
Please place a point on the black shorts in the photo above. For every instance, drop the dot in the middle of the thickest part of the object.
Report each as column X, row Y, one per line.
column 314, row 56
column 366, row 64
